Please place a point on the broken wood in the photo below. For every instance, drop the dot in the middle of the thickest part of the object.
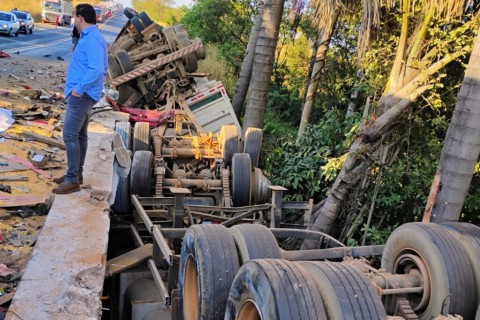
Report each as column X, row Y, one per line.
column 6, row 298
column 50, row 141
column 128, row 260
column 13, row 178
column 21, row 200
column 432, row 197
column 28, row 164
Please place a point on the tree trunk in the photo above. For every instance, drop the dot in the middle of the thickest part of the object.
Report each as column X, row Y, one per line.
column 360, row 154
column 246, row 71
column 320, row 56
column 263, row 64
column 461, row 147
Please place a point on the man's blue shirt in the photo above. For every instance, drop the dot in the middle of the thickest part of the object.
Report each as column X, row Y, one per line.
column 88, row 66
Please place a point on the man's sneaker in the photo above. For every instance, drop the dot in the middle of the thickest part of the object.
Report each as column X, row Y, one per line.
column 60, row 180
column 66, row 187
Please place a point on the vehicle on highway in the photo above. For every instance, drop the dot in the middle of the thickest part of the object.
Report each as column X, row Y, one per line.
column 59, row 12
column 26, row 21
column 9, row 23
column 100, row 11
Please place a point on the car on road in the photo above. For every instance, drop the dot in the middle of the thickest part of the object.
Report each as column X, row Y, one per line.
column 9, row 23
column 26, row 20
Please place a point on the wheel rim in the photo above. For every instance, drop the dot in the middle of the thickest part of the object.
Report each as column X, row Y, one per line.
column 248, row 311
column 409, row 262
column 191, row 300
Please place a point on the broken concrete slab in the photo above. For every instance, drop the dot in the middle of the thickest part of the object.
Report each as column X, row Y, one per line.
column 67, row 266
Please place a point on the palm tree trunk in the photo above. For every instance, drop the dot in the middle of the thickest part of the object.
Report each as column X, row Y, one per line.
column 366, row 144
column 246, row 71
column 462, row 145
column 320, row 57
column 263, row 64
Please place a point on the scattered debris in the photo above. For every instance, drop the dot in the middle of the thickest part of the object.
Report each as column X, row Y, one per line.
column 5, row 188
column 14, row 178
column 49, row 141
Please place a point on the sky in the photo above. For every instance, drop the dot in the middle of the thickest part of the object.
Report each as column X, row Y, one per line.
column 178, row 3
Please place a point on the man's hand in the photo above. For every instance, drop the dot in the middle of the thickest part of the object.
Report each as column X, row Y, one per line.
column 75, row 94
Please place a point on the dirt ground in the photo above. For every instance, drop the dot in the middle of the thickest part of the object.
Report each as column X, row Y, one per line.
column 33, row 90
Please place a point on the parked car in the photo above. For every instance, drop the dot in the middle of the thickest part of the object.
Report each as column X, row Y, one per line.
column 9, row 23
column 26, row 21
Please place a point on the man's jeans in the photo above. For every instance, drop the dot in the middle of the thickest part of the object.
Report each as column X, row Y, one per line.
column 75, row 134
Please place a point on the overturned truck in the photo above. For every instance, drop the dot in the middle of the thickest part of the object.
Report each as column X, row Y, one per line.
column 211, row 233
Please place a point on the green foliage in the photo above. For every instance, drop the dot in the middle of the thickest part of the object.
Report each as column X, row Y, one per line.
column 298, row 167
column 225, row 23
column 219, row 69
column 161, row 11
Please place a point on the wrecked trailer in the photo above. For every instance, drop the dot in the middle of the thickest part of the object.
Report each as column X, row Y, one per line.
column 202, row 232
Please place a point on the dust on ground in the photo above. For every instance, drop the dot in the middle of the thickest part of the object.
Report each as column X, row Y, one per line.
column 33, row 90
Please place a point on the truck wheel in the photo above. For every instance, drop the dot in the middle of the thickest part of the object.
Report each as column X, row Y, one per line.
column 124, row 130
column 190, row 60
column 169, row 35
column 141, row 176
column 254, row 241
column 127, row 44
column 124, row 61
column 141, row 137
column 146, row 21
column 208, row 264
column 201, row 54
column 253, row 144
column 274, row 289
column 430, row 250
column 261, row 192
column 129, row 13
column 114, row 70
column 468, row 235
column 137, row 24
column 228, row 137
column 346, row 292
column 241, row 179
column 122, row 205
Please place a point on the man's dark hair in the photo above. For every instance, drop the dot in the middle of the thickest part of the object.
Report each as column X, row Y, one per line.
column 87, row 12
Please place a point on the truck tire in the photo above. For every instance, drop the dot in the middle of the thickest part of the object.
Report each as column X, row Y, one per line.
column 169, row 37
column 146, row 21
column 200, row 53
column 124, row 130
column 431, row 250
column 241, row 179
column 141, row 137
column 137, row 24
column 122, row 205
column 190, row 60
column 114, row 70
column 208, row 264
column 346, row 292
column 141, row 176
column 228, row 137
column 124, row 61
column 129, row 13
column 468, row 235
column 274, row 289
column 253, row 144
column 254, row 241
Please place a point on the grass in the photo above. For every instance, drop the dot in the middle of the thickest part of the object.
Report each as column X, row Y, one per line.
column 219, row 69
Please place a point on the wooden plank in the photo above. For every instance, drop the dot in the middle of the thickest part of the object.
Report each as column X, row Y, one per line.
column 21, row 200
column 30, row 165
column 14, row 178
column 50, row 141
column 6, row 298
column 128, row 260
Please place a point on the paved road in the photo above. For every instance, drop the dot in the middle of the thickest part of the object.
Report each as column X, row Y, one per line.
column 51, row 43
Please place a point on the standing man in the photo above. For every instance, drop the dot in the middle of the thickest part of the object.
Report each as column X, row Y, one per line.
column 83, row 88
